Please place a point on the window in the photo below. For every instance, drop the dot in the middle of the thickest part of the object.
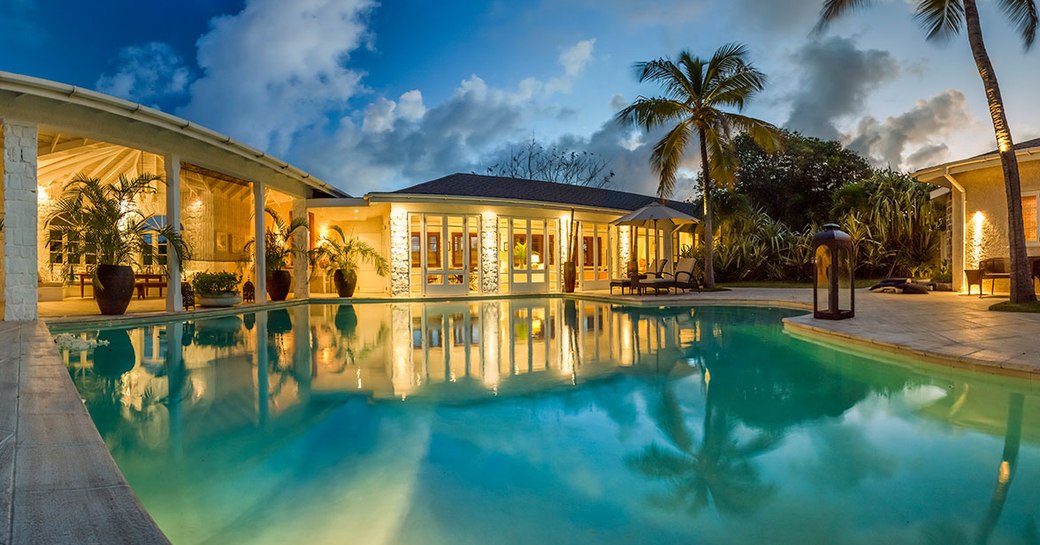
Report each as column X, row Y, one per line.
column 1029, row 217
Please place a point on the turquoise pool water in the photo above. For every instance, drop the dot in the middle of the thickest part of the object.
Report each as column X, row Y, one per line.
column 548, row 421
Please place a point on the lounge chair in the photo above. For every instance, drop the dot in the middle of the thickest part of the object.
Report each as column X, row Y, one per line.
column 683, row 279
column 655, row 270
column 659, row 281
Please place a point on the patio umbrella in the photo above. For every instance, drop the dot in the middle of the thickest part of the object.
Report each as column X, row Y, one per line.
column 652, row 214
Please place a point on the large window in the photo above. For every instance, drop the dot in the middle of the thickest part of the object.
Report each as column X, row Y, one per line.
column 1029, row 216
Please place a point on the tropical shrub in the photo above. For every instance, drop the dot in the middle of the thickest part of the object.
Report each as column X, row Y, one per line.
column 212, row 284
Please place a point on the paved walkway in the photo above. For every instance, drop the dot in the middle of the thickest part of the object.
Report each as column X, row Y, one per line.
column 58, row 483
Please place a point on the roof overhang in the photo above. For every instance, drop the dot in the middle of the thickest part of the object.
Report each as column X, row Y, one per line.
column 478, row 201
column 99, row 116
column 937, row 175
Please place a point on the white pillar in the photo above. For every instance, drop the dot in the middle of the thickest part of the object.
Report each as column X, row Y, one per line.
column 958, row 232
column 258, row 232
column 301, row 243
column 20, row 219
column 174, row 303
column 263, row 386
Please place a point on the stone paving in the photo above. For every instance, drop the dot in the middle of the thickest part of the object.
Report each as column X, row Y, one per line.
column 58, row 483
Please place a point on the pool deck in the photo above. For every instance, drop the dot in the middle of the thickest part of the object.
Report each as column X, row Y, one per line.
column 58, row 483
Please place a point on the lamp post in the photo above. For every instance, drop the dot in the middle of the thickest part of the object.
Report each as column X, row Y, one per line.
column 834, row 296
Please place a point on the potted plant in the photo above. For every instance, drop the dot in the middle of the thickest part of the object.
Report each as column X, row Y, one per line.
column 217, row 289
column 343, row 256
column 279, row 252
column 104, row 220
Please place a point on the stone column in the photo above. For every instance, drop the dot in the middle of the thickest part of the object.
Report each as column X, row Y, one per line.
column 174, row 303
column 399, row 253
column 301, row 243
column 260, row 261
column 303, row 355
column 20, row 219
column 489, row 252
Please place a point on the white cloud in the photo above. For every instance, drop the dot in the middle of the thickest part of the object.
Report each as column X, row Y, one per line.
column 277, row 68
column 146, row 72
column 574, row 60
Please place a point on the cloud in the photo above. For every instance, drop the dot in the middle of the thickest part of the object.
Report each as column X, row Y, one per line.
column 277, row 68
column 146, row 72
column 573, row 59
column 777, row 16
column 836, row 78
column 886, row 142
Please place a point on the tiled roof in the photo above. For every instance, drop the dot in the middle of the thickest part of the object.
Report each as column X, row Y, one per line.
column 497, row 187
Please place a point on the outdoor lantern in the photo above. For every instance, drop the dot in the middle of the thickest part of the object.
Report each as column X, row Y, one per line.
column 833, row 283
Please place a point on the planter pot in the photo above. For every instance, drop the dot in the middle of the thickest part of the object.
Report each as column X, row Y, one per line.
column 570, row 276
column 346, row 320
column 227, row 299
column 345, row 281
column 115, row 358
column 113, row 288
column 278, row 284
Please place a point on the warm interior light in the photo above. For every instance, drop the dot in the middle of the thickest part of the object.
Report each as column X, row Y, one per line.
column 978, row 225
column 42, row 197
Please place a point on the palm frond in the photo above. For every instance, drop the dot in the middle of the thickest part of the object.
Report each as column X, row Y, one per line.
column 649, row 113
column 667, row 155
column 940, row 18
column 1022, row 14
column 833, row 9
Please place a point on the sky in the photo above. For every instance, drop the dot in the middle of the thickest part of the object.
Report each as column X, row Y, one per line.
column 373, row 96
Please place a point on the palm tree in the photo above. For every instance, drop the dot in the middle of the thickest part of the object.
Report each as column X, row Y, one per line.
column 696, row 91
column 942, row 19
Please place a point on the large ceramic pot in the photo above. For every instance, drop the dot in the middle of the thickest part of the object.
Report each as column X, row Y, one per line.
column 570, row 276
column 278, row 284
column 227, row 299
column 113, row 288
column 345, row 281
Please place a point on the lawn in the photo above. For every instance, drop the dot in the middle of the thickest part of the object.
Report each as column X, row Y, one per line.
column 1008, row 306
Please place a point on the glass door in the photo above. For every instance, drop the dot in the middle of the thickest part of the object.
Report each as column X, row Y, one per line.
column 528, row 247
column 447, row 251
column 595, row 254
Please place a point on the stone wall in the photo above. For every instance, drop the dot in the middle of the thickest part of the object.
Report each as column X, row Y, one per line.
column 489, row 253
column 399, row 252
column 20, row 221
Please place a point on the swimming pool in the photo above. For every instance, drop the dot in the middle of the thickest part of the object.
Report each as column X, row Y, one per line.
column 553, row 421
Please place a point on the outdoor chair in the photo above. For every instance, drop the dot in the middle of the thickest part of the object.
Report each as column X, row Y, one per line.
column 993, row 269
column 683, row 279
column 654, row 279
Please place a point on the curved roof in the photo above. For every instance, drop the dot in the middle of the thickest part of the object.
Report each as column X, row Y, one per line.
column 517, row 189
column 51, row 103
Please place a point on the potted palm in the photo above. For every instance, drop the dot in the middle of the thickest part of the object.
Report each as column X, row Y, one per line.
column 104, row 220
column 278, row 253
column 344, row 255
column 217, row 289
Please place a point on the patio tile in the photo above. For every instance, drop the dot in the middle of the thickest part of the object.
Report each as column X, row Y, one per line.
column 108, row 516
column 64, row 467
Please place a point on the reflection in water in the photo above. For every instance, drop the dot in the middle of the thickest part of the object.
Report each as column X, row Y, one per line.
column 521, row 421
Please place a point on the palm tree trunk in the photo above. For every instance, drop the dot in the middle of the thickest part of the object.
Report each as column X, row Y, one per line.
column 1021, row 280
column 709, row 232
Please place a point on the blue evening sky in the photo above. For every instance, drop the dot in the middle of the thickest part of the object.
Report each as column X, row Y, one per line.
column 375, row 96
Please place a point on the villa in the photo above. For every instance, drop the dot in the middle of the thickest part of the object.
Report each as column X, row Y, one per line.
column 457, row 235
column 973, row 192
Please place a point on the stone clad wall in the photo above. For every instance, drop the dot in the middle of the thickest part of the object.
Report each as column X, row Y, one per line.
column 399, row 252
column 489, row 253
column 20, row 219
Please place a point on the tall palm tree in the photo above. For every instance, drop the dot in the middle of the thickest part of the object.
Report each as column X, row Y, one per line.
column 696, row 93
column 942, row 19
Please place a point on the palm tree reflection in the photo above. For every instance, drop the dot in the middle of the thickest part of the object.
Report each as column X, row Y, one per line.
column 718, row 472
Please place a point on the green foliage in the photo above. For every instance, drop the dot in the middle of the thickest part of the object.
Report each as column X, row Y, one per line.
column 520, row 254
column 211, row 284
column 106, row 221
column 806, row 172
column 342, row 253
column 278, row 248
